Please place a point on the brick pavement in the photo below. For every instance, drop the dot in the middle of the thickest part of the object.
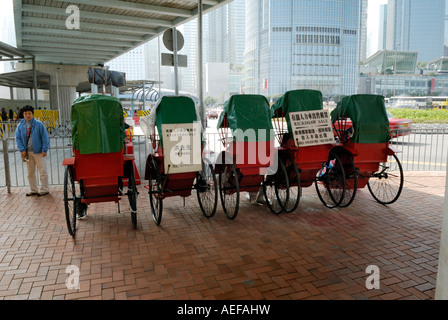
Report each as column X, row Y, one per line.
column 314, row 253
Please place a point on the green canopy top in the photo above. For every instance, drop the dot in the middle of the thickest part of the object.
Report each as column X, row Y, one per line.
column 368, row 115
column 173, row 110
column 297, row 100
column 97, row 124
column 247, row 111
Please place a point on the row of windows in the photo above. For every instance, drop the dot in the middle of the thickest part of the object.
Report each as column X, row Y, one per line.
column 314, row 29
column 281, row 29
column 319, row 29
column 317, row 39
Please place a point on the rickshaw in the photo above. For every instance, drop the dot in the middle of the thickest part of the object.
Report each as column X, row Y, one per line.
column 307, row 162
column 362, row 129
column 178, row 162
column 250, row 160
column 103, row 160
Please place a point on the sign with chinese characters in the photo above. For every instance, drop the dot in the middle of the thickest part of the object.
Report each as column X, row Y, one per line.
column 182, row 147
column 311, row 128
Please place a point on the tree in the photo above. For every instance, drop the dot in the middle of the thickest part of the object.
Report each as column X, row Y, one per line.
column 210, row 101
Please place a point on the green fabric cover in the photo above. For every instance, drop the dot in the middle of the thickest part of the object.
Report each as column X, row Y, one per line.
column 97, row 124
column 368, row 115
column 298, row 100
column 248, row 111
column 173, row 110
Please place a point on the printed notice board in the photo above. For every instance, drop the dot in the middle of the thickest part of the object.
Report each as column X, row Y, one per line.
column 311, row 128
column 182, row 147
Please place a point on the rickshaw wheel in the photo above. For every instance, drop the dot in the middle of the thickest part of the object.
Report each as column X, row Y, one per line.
column 386, row 184
column 276, row 189
column 207, row 189
column 155, row 198
column 132, row 193
column 295, row 190
column 330, row 182
column 70, row 200
column 351, row 179
column 229, row 190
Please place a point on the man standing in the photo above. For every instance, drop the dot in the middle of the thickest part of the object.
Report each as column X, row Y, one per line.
column 33, row 143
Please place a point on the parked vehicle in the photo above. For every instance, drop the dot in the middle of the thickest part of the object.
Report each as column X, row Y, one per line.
column 213, row 114
column 399, row 127
column 364, row 149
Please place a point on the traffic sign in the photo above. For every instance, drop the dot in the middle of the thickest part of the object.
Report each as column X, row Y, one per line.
column 168, row 40
column 168, row 60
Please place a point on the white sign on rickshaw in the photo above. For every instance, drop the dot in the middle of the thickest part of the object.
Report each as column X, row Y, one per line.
column 182, row 147
column 311, row 128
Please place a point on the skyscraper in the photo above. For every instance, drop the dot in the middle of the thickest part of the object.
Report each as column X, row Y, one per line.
column 416, row 26
column 382, row 31
column 224, row 40
column 302, row 44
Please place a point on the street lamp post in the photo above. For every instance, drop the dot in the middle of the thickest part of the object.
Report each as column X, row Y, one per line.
column 395, row 63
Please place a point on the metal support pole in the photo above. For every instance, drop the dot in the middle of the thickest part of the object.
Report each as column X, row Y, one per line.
column 395, row 63
column 176, row 62
column 160, row 62
column 6, row 162
column 57, row 97
column 35, row 83
column 51, row 92
column 143, row 94
column 200, row 71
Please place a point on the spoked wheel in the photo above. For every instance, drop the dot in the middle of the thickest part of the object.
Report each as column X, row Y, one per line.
column 386, row 184
column 70, row 200
column 207, row 189
column 229, row 190
column 132, row 193
column 330, row 182
column 295, row 190
column 351, row 179
column 276, row 188
column 155, row 193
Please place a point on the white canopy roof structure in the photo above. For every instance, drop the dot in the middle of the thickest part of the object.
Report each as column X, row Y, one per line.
column 107, row 28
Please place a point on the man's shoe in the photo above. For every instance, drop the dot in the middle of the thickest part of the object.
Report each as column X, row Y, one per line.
column 43, row 193
column 30, row 194
column 81, row 216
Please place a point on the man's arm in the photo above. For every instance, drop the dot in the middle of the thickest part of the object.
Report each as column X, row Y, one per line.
column 45, row 140
column 20, row 143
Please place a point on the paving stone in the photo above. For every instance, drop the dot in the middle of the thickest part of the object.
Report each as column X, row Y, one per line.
column 313, row 253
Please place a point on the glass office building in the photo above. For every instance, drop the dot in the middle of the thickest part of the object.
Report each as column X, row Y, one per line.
column 416, row 26
column 302, row 44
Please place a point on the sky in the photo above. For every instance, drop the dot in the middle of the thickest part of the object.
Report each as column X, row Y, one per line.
column 6, row 23
column 373, row 25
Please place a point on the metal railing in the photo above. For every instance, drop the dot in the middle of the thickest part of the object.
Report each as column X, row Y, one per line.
column 425, row 149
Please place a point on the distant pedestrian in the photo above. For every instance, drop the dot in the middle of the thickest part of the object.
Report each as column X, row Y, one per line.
column 11, row 115
column 33, row 144
column 4, row 115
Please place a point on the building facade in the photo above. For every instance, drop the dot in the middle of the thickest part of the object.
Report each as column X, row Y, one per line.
column 299, row 44
column 416, row 26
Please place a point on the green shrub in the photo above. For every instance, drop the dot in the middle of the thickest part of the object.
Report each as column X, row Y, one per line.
column 421, row 116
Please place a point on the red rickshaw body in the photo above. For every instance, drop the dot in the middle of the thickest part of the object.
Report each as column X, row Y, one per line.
column 252, row 158
column 98, row 172
column 178, row 184
column 245, row 128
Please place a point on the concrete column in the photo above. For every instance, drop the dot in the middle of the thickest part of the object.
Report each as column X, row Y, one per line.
column 67, row 94
column 442, row 273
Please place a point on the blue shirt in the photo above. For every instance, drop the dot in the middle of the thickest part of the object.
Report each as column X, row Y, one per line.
column 39, row 136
